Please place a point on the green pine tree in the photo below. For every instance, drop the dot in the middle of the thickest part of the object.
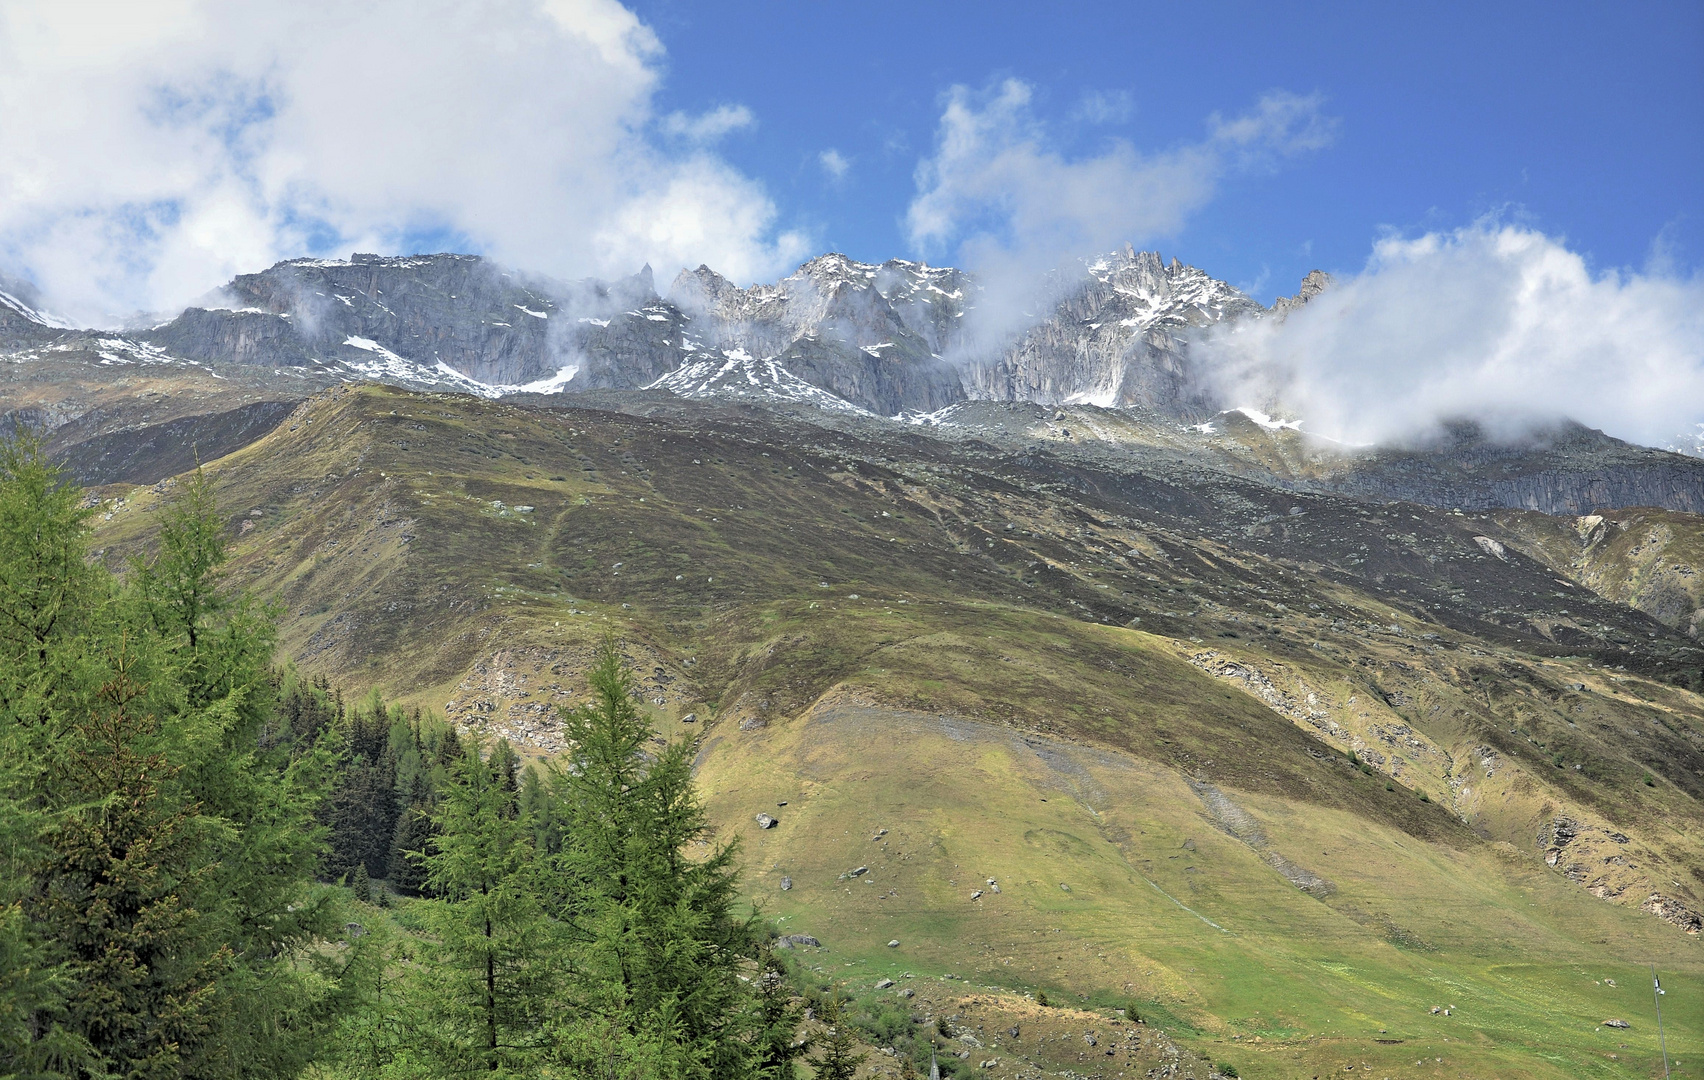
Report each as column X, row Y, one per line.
column 495, row 969
column 143, row 961
column 48, row 593
column 412, row 841
column 157, row 915
column 778, row 1016
column 837, row 1057
column 658, row 944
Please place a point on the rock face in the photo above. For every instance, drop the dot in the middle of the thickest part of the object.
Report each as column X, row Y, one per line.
column 1117, row 336
column 1316, row 282
column 411, row 318
column 872, row 335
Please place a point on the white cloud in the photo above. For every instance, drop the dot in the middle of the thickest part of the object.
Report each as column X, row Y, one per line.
column 1492, row 322
column 834, row 165
column 710, row 126
column 1017, row 207
column 149, row 150
column 996, row 176
column 1106, row 107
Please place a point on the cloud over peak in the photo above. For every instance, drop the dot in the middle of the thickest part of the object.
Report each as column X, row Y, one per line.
column 151, row 150
column 1494, row 322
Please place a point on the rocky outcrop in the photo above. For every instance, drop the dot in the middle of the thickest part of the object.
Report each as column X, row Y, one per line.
column 1119, row 336
column 871, row 335
column 413, row 316
column 1316, row 282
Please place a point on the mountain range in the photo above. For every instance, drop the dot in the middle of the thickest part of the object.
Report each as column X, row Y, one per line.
column 889, row 339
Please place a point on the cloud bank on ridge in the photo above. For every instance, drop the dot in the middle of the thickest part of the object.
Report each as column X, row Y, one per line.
column 150, row 150
column 1491, row 322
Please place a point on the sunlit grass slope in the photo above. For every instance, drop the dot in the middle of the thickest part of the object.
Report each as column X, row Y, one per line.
column 1129, row 700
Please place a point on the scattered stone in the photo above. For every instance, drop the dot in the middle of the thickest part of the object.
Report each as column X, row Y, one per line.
column 1012, row 1031
column 859, row 872
column 786, row 884
column 977, row 895
column 1089, row 1037
column 908, row 992
column 1617, row 1024
column 884, row 984
column 894, row 944
column 689, row 718
column 1577, row 687
column 764, row 821
column 790, row 941
column 1436, row 1010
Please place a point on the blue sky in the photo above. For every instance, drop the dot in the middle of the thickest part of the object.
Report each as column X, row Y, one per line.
column 1583, row 121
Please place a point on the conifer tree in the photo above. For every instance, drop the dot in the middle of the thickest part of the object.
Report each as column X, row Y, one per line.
column 143, row 962
column 47, row 593
column 495, row 970
column 659, row 949
column 362, row 808
column 412, row 839
column 156, row 916
column 837, row 1058
column 778, row 1017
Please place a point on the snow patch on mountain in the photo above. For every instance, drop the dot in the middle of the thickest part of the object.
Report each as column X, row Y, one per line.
column 387, row 366
column 1270, row 423
column 735, row 373
column 34, row 314
column 1690, row 443
column 938, row 418
column 115, row 350
column 553, row 384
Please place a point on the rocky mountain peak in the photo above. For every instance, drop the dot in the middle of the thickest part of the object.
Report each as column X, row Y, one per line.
column 1117, row 335
column 1316, row 282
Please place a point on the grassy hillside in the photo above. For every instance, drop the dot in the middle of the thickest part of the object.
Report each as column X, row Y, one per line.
column 1280, row 772
column 1652, row 560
